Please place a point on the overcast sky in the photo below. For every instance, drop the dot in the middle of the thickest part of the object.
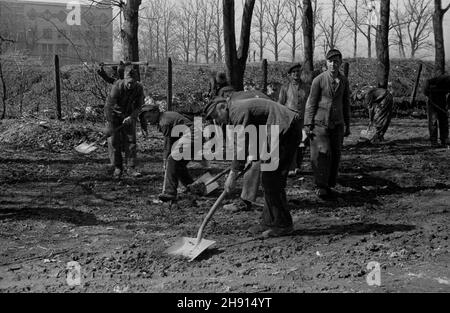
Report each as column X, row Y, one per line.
column 345, row 50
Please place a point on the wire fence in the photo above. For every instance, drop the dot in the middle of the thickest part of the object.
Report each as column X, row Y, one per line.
column 30, row 85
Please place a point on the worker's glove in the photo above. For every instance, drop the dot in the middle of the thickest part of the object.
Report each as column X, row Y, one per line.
column 347, row 131
column 127, row 121
column 230, row 183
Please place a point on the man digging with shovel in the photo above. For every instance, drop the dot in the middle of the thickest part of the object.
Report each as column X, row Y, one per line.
column 276, row 218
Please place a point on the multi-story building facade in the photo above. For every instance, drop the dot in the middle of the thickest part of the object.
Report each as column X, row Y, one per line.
column 43, row 29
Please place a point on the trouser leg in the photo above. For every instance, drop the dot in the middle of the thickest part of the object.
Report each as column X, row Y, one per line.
column 276, row 211
column 130, row 144
column 443, row 124
column 110, row 145
column 117, row 139
column 176, row 171
column 321, row 156
column 251, row 181
column 432, row 122
column 336, row 141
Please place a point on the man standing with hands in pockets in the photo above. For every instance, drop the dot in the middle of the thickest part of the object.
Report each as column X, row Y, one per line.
column 327, row 122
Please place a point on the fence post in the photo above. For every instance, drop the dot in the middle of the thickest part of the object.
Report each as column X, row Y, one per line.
column 264, row 68
column 346, row 69
column 58, row 88
column 169, row 84
column 416, row 85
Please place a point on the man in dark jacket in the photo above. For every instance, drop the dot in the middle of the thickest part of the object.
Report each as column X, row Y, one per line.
column 327, row 122
column 437, row 90
column 175, row 169
column 123, row 105
column 276, row 218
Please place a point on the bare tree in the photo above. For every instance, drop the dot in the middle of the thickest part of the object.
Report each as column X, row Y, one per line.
column 354, row 22
column 218, row 30
column 398, row 18
column 185, row 30
column 3, row 41
column 292, row 19
column 277, row 29
column 168, row 18
column 236, row 59
column 207, row 22
column 382, row 43
column 308, row 37
column 418, row 25
column 261, row 27
column 195, row 13
column 331, row 29
column 364, row 28
column 438, row 17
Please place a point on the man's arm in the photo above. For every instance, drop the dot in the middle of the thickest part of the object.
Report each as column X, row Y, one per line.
column 312, row 103
column 283, row 95
column 111, row 101
column 106, row 77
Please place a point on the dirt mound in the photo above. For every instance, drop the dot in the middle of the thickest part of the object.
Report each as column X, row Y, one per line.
column 49, row 135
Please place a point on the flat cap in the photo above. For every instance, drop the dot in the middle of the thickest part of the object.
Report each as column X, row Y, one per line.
column 332, row 53
column 150, row 108
column 298, row 65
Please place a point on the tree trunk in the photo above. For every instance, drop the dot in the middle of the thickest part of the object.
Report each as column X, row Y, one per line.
column 308, row 38
column 130, row 48
column 157, row 43
column 369, row 41
column 355, row 31
column 382, row 45
column 332, row 30
column 4, row 96
column 236, row 60
column 438, row 16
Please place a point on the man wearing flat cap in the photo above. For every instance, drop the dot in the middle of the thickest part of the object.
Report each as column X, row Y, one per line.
column 122, row 107
column 175, row 170
column 327, row 122
column 294, row 94
column 276, row 218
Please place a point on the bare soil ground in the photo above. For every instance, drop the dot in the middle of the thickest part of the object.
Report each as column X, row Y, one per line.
column 393, row 208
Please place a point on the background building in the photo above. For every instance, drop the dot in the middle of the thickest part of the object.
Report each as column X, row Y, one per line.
column 41, row 29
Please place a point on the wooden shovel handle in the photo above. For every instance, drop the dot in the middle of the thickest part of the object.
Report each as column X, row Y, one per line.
column 216, row 205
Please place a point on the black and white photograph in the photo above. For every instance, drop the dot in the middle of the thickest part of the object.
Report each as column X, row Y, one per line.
column 224, row 152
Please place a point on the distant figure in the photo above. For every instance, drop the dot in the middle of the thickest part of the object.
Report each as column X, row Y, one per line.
column 294, row 95
column 379, row 102
column 437, row 90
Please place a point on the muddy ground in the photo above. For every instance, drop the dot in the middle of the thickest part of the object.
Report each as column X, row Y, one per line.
column 393, row 209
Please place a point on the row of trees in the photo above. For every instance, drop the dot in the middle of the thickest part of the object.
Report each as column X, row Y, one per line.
column 192, row 30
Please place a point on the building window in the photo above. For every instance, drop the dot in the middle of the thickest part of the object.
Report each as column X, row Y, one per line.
column 47, row 33
column 46, row 48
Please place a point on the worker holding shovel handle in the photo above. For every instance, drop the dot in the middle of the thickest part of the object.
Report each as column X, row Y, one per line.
column 122, row 108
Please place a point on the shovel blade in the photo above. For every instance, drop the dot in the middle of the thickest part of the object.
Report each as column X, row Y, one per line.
column 188, row 247
column 85, row 148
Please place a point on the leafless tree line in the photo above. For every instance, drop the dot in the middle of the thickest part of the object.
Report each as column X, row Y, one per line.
column 192, row 30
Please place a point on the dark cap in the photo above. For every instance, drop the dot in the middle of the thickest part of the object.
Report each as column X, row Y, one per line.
column 221, row 78
column 298, row 65
column 211, row 107
column 332, row 53
column 150, row 108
